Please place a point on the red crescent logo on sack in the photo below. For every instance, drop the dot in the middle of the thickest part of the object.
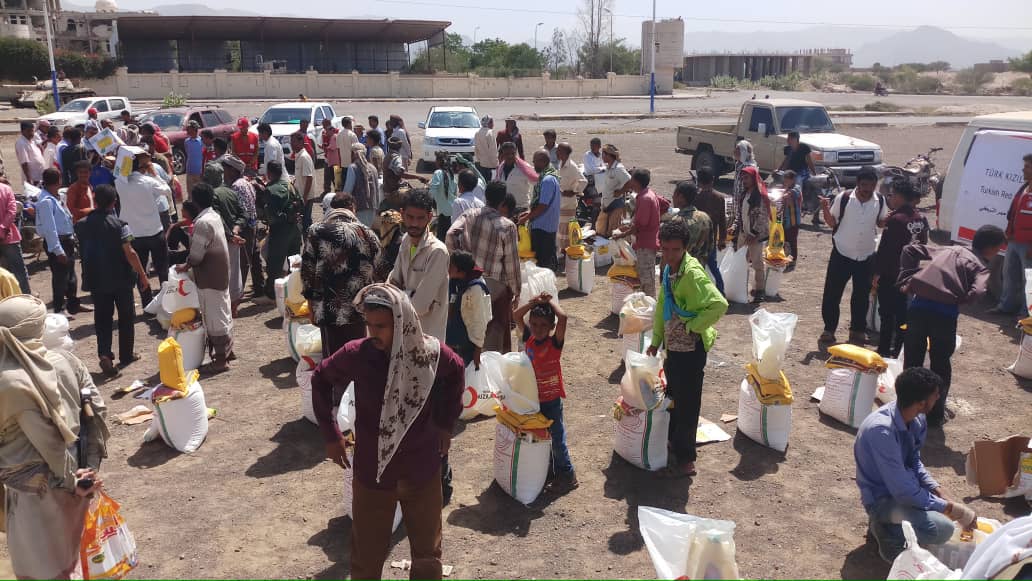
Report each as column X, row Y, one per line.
column 473, row 397
column 308, row 361
column 181, row 291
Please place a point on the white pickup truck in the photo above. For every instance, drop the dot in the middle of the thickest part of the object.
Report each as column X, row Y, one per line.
column 766, row 124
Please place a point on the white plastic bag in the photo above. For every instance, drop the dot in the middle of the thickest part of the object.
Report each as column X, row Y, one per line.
column 638, row 342
column 580, row 274
column 764, row 424
column 511, row 376
column 55, row 333
column 624, row 255
column 538, row 280
column 478, row 398
column 346, row 410
column 182, row 293
column 619, row 291
column 955, row 553
column 873, row 318
column 643, row 385
column 520, row 466
column 917, row 563
column 771, row 334
column 295, row 289
column 641, row 438
column 602, row 251
column 636, row 313
column 182, row 423
column 1022, row 366
column 191, row 338
column 308, row 340
column 305, row 368
column 887, row 380
column 281, row 296
column 849, row 395
column 735, row 271
column 154, row 306
column 772, row 281
column 683, row 546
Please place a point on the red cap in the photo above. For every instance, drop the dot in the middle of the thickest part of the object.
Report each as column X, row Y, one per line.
column 91, row 111
column 243, row 123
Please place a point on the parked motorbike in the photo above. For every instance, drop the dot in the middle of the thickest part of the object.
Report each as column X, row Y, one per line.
column 919, row 171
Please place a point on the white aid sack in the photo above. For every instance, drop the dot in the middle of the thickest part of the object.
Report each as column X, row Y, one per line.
column 636, row 313
column 623, row 253
column 638, row 342
column 956, row 553
column 55, row 333
column 580, row 274
column 917, row 563
column 602, row 251
column 511, row 377
column 887, row 380
column 281, row 296
column 308, row 340
column 771, row 334
column 537, row 280
column 735, row 271
column 295, row 289
column 478, row 397
column 154, row 306
column 182, row 293
column 191, row 338
column 619, row 291
column 1022, row 366
column 683, row 546
column 520, row 466
column 849, row 395
column 349, row 492
column 764, row 424
column 641, row 437
column 182, row 423
column 643, row 385
column 305, row 368
column 772, row 281
column 290, row 330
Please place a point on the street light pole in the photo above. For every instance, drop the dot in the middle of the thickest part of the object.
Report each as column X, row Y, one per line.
column 475, row 35
column 610, row 12
column 535, row 35
column 50, row 51
column 652, row 72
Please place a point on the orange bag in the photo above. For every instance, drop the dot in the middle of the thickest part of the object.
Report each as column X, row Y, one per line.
column 108, row 549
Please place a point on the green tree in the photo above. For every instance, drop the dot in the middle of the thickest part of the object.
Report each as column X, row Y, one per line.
column 938, row 66
column 451, row 56
column 1022, row 63
column 971, row 81
column 22, row 59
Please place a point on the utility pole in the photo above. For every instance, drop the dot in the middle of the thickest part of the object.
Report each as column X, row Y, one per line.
column 535, row 34
column 652, row 73
column 50, row 51
column 610, row 12
column 475, row 35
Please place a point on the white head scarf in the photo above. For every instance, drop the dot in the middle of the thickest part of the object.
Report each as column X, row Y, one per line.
column 412, row 370
column 745, row 152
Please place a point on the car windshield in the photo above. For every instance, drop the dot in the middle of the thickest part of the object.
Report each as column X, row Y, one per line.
column 804, row 120
column 285, row 116
column 76, row 106
column 166, row 121
column 453, row 119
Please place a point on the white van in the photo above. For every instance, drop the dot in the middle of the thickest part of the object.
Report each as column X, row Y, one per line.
column 984, row 174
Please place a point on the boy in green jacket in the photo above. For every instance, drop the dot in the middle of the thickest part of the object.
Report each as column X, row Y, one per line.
column 688, row 306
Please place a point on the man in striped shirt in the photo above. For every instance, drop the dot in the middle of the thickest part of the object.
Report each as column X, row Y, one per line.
column 492, row 239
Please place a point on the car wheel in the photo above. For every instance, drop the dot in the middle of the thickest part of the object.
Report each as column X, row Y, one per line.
column 178, row 161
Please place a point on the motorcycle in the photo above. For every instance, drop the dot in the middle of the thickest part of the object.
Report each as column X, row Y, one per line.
column 919, row 171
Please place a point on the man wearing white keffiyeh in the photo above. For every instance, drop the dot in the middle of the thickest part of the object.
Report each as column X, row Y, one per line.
column 408, row 395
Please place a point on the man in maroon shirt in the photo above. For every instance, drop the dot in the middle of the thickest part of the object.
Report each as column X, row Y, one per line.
column 408, row 395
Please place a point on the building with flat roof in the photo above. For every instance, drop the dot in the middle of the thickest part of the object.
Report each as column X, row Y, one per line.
column 700, row 69
column 151, row 43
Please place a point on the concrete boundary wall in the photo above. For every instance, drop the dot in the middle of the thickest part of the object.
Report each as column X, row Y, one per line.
column 225, row 85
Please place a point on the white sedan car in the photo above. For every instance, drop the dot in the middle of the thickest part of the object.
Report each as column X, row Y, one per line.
column 451, row 129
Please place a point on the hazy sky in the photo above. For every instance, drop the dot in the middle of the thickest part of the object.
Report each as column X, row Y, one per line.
column 515, row 21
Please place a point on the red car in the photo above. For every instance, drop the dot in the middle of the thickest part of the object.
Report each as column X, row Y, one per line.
column 173, row 120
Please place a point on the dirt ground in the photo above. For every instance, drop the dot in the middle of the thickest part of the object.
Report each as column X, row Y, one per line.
column 258, row 500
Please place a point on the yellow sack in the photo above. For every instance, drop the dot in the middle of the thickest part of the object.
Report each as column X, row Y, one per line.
column 1026, row 325
column 775, row 251
column 519, row 422
column 299, row 310
column 170, row 365
column 182, row 317
column 618, row 270
column 524, row 245
column 575, row 251
column 848, row 356
column 769, row 391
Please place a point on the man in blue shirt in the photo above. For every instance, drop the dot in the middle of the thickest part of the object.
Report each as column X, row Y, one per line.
column 544, row 211
column 54, row 224
column 194, row 155
column 894, row 484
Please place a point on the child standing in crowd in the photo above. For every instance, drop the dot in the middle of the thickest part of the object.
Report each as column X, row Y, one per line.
column 791, row 215
column 904, row 226
column 545, row 348
column 752, row 224
column 469, row 307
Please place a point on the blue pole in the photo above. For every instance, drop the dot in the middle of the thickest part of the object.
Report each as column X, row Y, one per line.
column 53, row 84
column 652, row 93
column 50, row 53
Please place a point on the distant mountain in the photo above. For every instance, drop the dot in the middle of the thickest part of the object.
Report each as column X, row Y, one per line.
column 927, row 44
column 198, row 10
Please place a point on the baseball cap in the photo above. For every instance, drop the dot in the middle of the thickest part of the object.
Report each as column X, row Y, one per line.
column 243, row 123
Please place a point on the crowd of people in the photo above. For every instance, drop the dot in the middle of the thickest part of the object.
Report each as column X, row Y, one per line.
column 410, row 285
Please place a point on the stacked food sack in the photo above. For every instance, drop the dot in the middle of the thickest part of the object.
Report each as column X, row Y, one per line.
column 180, row 412
column 774, row 255
column 852, row 383
column 523, row 444
column 185, row 325
column 641, row 413
column 623, row 275
column 765, row 396
column 580, row 264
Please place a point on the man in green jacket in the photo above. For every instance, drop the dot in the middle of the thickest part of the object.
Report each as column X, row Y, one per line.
column 284, row 216
column 228, row 207
column 687, row 307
